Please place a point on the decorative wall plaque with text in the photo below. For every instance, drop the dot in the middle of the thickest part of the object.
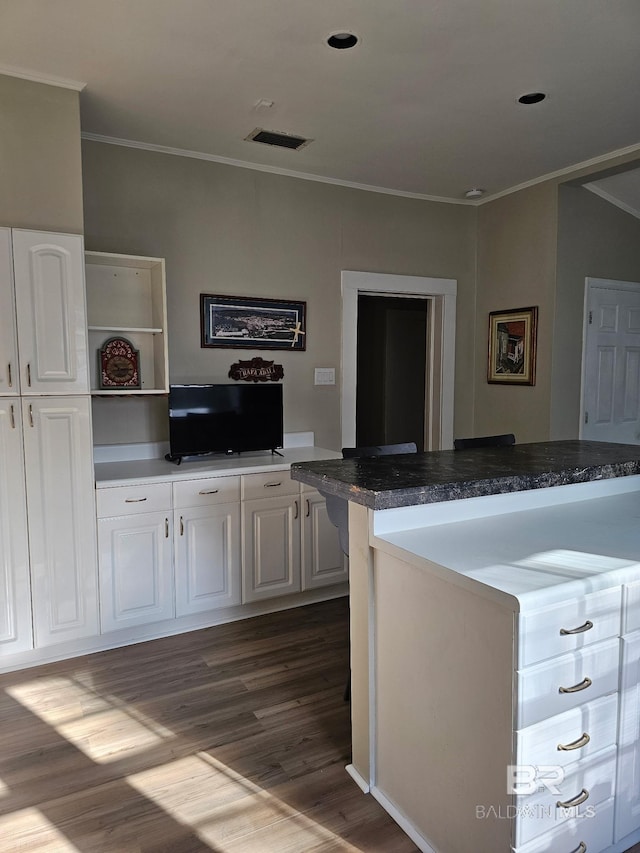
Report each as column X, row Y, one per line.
column 256, row 370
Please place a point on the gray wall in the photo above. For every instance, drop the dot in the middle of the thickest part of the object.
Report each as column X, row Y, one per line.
column 40, row 165
column 597, row 240
column 232, row 230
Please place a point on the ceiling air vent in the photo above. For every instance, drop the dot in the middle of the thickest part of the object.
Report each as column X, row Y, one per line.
column 281, row 140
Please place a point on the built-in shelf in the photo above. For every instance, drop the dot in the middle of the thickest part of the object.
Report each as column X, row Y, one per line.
column 126, row 295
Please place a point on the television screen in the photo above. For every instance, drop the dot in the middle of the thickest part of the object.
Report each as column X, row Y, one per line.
column 224, row 419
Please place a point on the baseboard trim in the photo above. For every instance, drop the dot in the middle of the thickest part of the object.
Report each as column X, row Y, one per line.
column 404, row 824
column 360, row 781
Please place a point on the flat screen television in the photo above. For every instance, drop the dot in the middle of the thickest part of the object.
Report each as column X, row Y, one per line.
column 224, row 419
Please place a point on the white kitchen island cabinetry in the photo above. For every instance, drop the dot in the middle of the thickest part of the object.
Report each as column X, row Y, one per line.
column 323, row 562
column 508, row 659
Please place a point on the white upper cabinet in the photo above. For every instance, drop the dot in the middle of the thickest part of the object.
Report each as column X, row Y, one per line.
column 9, row 379
column 50, row 309
column 126, row 298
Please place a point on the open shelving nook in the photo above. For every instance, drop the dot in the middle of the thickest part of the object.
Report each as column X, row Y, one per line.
column 126, row 295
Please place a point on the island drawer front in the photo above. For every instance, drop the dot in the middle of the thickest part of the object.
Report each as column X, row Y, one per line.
column 567, row 626
column 127, row 500
column 538, row 813
column 557, row 685
column 211, row 490
column 591, row 831
column 268, row 485
column 582, row 732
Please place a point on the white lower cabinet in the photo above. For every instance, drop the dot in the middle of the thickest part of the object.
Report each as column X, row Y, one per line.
column 323, row 562
column 271, row 554
column 628, row 799
column 61, row 517
column 136, row 570
column 15, row 600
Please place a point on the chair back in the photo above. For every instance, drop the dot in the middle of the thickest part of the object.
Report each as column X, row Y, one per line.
column 505, row 440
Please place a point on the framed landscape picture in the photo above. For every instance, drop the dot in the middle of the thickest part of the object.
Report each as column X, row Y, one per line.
column 248, row 323
column 512, row 346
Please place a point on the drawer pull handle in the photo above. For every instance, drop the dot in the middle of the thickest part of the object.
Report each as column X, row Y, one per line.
column 30, row 415
column 580, row 798
column 9, row 375
column 134, row 500
column 586, row 682
column 166, row 528
column 308, row 503
column 272, row 485
column 581, row 848
column 181, row 526
column 295, row 503
column 13, row 418
column 588, row 625
column 576, row 744
column 209, row 492
column 29, row 375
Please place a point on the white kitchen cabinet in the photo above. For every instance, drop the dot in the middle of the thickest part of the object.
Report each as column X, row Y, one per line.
column 136, row 570
column 15, row 599
column 61, row 517
column 271, row 547
column 51, row 314
column 126, row 296
column 627, row 817
column 323, row 562
column 9, row 379
column 207, row 558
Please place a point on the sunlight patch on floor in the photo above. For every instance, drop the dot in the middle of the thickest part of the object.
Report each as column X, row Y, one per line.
column 104, row 728
column 30, row 830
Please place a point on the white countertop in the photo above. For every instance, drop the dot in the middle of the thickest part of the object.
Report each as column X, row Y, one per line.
column 141, row 471
column 533, row 557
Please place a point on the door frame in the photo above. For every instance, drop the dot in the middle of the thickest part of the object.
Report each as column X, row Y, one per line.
column 441, row 335
column 591, row 284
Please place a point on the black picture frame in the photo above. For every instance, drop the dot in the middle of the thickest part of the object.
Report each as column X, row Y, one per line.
column 244, row 322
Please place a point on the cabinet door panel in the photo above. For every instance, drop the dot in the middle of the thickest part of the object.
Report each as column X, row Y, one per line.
column 50, row 306
column 9, row 371
column 62, row 520
column 15, row 593
column 324, row 562
column 136, row 578
column 207, row 558
column 271, row 548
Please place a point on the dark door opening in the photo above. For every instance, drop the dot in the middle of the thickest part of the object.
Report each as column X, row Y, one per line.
column 391, row 370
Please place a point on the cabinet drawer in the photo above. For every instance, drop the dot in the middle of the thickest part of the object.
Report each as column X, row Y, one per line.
column 127, row 500
column 571, row 625
column 212, row 490
column 268, row 485
column 591, row 782
column 557, row 685
column 592, row 830
column 582, row 732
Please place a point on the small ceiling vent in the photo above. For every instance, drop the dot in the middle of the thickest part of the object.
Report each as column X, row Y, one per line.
column 281, row 140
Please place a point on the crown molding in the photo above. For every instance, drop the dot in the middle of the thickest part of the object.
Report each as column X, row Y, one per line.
column 258, row 167
column 37, row 77
column 612, row 199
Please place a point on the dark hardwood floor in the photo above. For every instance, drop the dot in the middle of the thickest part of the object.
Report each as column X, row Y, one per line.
column 231, row 739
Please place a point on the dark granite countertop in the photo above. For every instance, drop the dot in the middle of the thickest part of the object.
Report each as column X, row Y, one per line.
column 384, row 482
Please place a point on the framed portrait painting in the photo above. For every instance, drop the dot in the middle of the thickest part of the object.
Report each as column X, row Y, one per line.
column 512, row 346
column 251, row 323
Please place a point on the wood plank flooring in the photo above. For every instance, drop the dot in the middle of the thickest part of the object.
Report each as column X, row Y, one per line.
column 232, row 740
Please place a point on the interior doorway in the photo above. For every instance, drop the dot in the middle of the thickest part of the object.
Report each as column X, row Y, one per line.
column 439, row 360
column 391, row 370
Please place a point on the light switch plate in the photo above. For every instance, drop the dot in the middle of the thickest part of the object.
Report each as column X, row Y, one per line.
column 324, row 376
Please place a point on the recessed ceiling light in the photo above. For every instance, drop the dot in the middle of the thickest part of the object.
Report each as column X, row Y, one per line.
column 532, row 98
column 342, row 41
column 474, row 193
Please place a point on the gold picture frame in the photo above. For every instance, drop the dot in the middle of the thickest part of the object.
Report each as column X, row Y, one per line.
column 512, row 346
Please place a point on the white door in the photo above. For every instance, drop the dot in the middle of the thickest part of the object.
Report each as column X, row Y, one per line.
column 207, row 558
column 136, row 577
column 611, row 362
column 323, row 563
column 50, row 307
column 15, row 592
column 62, row 517
column 9, row 374
column 271, row 564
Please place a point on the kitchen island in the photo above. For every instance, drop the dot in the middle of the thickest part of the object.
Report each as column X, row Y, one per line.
column 495, row 638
